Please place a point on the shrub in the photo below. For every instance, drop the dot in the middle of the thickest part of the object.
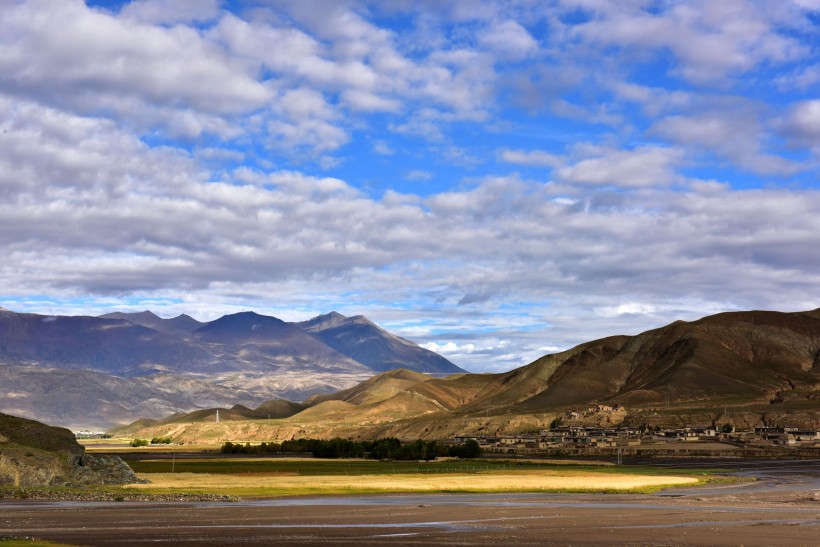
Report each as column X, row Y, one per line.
column 139, row 442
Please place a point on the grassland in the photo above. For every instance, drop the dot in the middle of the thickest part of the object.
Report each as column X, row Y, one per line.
column 274, row 477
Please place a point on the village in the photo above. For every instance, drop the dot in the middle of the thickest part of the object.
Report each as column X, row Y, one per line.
column 570, row 435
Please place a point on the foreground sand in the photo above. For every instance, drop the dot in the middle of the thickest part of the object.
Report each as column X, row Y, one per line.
column 495, row 481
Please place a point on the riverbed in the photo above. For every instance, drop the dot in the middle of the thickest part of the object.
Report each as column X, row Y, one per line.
column 782, row 507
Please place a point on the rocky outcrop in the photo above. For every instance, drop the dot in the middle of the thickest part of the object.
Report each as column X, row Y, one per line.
column 35, row 454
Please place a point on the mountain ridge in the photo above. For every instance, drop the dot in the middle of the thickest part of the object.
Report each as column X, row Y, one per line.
column 119, row 354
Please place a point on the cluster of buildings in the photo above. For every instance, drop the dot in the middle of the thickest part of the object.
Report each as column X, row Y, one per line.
column 593, row 410
column 788, row 436
column 578, row 438
column 563, row 437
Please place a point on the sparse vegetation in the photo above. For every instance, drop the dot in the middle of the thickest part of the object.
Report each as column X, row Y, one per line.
column 161, row 440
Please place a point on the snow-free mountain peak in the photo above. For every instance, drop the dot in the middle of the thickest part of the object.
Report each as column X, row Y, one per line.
column 370, row 344
column 151, row 320
column 322, row 322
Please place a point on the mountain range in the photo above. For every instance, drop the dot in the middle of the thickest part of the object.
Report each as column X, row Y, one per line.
column 746, row 368
column 82, row 371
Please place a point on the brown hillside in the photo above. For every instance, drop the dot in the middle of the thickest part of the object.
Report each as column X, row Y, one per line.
column 764, row 366
column 378, row 388
column 730, row 355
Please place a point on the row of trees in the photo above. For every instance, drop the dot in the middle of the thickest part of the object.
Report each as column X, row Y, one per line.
column 380, row 449
column 156, row 440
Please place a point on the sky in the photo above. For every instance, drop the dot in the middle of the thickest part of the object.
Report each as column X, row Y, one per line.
column 494, row 180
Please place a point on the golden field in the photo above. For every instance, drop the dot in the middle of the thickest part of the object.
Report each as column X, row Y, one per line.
column 266, row 484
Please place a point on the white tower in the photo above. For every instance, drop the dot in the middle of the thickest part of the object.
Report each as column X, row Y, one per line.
column 217, row 415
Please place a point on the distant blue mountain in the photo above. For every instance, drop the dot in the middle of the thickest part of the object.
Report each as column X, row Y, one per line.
column 367, row 343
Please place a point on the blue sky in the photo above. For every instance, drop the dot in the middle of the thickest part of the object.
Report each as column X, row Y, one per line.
column 494, row 180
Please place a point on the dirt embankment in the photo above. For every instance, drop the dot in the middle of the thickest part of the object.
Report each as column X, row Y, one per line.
column 35, row 454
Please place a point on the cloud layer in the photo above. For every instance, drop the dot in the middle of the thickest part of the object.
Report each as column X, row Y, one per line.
column 496, row 181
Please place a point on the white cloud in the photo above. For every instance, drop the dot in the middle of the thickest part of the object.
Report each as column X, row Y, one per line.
column 711, row 40
column 802, row 123
column 449, row 348
column 171, row 11
column 643, row 166
column 628, row 308
column 383, row 149
column 306, row 120
column 509, row 39
column 729, row 130
column 68, row 55
column 369, row 102
column 533, row 158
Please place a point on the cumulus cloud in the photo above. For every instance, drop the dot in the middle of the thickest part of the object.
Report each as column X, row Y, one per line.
column 643, row 166
column 510, row 39
column 68, row 55
column 801, row 124
column 711, row 40
column 733, row 130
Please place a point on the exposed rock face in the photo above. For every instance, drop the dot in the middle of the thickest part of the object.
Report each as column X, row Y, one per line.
column 35, row 454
